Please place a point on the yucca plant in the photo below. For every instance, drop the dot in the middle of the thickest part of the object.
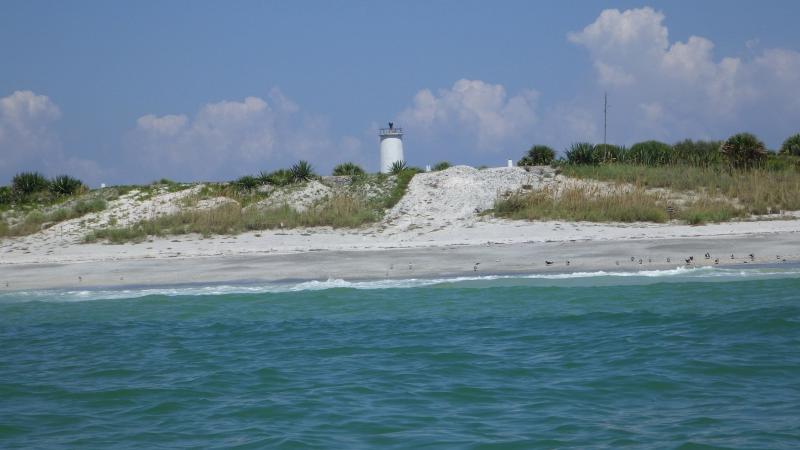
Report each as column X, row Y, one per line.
column 66, row 185
column 397, row 167
column 246, row 183
column 348, row 169
column 302, row 171
column 791, row 146
column 744, row 151
column 263, row 177
column 609, row 153
column 26, row 183
column 582, row 153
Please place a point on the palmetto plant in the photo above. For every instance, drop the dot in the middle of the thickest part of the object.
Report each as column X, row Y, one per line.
column 744, row 151
column 246, row 183
column 397, row 167
column 348, row 169
column 582, row 153
column 791, row 146
column 302, row 171
column 66, row 185
column 26, row 183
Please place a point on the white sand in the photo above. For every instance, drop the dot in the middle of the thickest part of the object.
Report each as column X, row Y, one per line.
column 439, row 212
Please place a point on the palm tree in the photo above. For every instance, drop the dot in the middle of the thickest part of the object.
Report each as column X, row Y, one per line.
column 791, row 146
column 744, row 151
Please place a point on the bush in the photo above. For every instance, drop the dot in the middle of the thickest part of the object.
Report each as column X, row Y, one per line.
column 302, row 171
column 744, row 151
column 397, row 167
column 649, row 153
column 246, row 183
column 64, row 185
column 697, row 153
column 791, row 146
column 348, row 169
column 27, row 183
column 609, row 153
column 441, row 165
column 280, row 177
column 538, row 155
column 6, row 195
column 87, row 206
column 582, row 153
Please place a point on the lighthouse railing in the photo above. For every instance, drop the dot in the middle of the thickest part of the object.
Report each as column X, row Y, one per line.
column 390, row 131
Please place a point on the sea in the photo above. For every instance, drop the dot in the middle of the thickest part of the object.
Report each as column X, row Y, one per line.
column 673, row 359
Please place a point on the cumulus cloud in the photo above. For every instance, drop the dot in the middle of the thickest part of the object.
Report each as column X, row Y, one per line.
column 473, row 108
column 680, row 88
column 26, row 129
column 232, row 137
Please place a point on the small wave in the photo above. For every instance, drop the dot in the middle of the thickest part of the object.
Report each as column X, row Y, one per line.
column 678, row 274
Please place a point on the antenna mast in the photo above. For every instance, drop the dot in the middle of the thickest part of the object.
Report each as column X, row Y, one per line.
column 605, row 117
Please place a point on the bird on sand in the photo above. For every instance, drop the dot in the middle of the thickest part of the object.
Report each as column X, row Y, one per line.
column 549, row 263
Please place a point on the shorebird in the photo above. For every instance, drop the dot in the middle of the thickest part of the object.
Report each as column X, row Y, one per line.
column 640, row 260
column 80, row 278
column 708, row 255
column 617, row 262
column 669, row 259
column 752, row 256
column 549, row 263
column 716, row 261
column 410, row 266
column 688, row 261
column 567, row 262
column 633, row 259
column 732, row 256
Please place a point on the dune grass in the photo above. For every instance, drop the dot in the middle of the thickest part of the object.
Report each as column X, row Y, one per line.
column 36, row 220
column 758, row 191
column 341, row 211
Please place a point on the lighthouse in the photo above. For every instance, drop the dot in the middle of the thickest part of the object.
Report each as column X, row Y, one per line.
column 391, row 146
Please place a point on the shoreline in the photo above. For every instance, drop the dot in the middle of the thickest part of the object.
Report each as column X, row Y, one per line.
column 419, row 262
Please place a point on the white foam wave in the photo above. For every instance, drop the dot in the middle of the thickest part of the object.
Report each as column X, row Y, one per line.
column 678, row 274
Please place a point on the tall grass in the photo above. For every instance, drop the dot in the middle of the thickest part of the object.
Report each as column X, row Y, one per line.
column 338, row 212
column 37, row 220
column 584, row 204
column 758, row 191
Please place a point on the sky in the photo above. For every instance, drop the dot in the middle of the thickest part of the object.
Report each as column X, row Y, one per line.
column 130, row 92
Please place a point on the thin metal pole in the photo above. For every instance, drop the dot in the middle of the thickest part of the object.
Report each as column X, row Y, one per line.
column 605, row 117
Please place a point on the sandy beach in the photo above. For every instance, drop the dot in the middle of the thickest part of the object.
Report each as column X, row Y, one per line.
column 436, row 230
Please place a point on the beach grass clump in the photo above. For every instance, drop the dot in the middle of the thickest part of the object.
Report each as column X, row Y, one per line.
column 591, row 204
column 230, row 218
column 441, row 165
column 37, row 219
column 706, row 210
column 348, row 169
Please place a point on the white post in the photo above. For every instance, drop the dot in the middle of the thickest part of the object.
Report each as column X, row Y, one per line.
column 510, row 163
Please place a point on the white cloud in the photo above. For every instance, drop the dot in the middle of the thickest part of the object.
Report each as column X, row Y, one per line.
column 26, row 129
column 680, row 89
column 230, row 138
column 473, row 108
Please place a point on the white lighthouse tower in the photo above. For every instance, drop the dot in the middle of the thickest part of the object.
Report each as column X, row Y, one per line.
column 391, row 146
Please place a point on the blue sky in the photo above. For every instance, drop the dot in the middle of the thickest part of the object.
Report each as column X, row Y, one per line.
column 121, row 92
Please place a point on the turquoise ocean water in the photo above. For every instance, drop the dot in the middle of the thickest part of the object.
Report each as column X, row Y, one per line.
column 673, row 359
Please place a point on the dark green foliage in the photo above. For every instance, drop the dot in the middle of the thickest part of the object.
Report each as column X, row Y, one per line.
column 26, row 183
column 791, row 146
column 697, row 153
column 280, row 177
column 246, row 183
column 441, row 165
column 263, row 177
column 538, row 155
column 83, row 207
column 582, row 153
column 403, row 178
column 397, row 167
column 744, row 151
column 64, row 185
column 6, row 195
column 649, row 153
column 609, row 153
column 348, row 169
column 302, row 171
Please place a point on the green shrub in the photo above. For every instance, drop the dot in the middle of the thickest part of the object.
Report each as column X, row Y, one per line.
column 83, row 207
column 6, row 195
column 744, row 151
column 697, row 153
column 302, row 171
column 582, row 153
column 609, row 153
column 348, row 169
column 26, row 183
column 397, row 167
column 441, row 165
column 246, row 183
column 64, row 185
column 538, row 155
column 791, row 146
column 280, row 177
column 649, row 153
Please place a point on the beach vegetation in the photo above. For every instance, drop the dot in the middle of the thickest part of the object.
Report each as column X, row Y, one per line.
column 538, row 155
column 27, row 183
column 649, row 153
column 744, row 151
column 348, row 169
column 280, row 177
column 397, row 167
column 582, row 153
column 65, row 185
column 302, row 171
column 246, row 183
column 791, row 146
column 441, row 165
